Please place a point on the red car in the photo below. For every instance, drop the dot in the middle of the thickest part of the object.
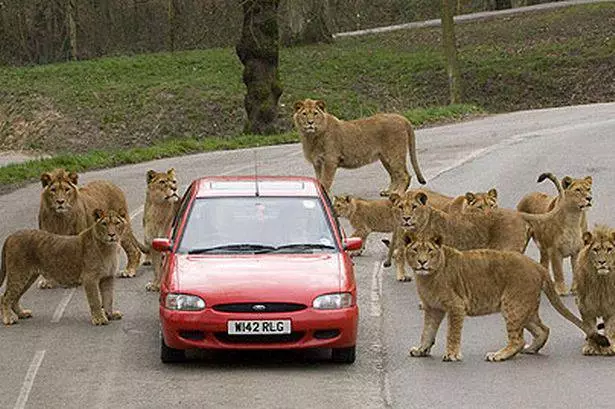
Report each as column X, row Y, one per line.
column 257, row 263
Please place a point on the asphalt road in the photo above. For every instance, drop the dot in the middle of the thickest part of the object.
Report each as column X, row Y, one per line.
column 58, row 359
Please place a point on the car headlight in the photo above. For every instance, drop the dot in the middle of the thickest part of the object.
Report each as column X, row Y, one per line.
column 184, row 302
column 333, row 301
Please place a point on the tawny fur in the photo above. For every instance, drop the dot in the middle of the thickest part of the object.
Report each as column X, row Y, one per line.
column 329, row 143
column 595, row 279
column 68, row 209
column 498, row 229
column 472, row 201
column 481, row 282
column 558, row 233
column 91, row 258
column 161, row 203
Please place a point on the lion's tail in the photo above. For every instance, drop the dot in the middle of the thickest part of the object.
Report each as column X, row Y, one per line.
column 556, row 182
column 143, row 248
column 556, row 302
column 412, row 149
column 3, row 265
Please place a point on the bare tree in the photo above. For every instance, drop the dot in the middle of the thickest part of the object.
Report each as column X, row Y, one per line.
column 71, row 17
column 258, row 50
column 307, row 22
column 450, row 50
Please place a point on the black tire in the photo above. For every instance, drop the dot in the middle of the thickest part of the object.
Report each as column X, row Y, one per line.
column 344, row 355
column 170, row 355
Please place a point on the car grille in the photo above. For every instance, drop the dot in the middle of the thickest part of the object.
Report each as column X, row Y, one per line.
column 259, row 339
column 268, row 307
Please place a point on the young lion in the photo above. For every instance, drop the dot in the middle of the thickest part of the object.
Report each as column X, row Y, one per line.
column 329, row 143
column 558, row 233
column 67, row 209
column 482, row 282
column 472, row 201
column 161, row 203
column 498, row 229
column 91, row 258
column 595, row 278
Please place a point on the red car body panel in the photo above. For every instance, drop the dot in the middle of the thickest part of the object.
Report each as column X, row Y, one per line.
column 257, row 278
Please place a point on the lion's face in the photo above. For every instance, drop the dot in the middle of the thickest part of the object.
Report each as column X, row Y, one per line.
column 162, row 186
column 412, row 212
column 482, row 200
column 424, row 254
column 601, row 249
column 578, row 191
column 309, row 116
column 344, row 206
column 110, row 226
column 59, row 190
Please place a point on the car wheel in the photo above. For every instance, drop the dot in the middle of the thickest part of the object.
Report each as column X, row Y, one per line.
column 170, row 355
column 344, row 355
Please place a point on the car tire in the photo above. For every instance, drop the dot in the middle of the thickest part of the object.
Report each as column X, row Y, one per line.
column 170, row 355
column 344, row 355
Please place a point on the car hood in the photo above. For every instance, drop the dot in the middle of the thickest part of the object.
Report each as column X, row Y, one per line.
column 272, row 278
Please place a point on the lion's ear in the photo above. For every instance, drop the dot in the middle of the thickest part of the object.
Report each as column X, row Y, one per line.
column 45, row 179
column 298, row 105
column 470, row 197
column 98, row 214
column 151, row 174
column 588, row 179
column 394, row 198
column 409, row 237
column 420, row 198
column 73, row 177
column 566, row 182
column 493, row 193
column 437, row 240
column 123, row 213
column 320, row 104
column 171, row 172
column 587, row 238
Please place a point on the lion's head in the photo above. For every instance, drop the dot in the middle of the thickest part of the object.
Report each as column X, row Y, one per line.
column 424, row 254
column 59, row 190
column 344, row 206
column 601, row 249
column 309, row 116
column 482, row 200
column 162, row 186
column 411, row 210
column 110, row 225
column 578, row 191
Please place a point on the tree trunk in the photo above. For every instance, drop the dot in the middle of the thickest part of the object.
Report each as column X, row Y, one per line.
column 450, row 50
column 503, row 4
column 258, row 50
column 307, row 22
column 71, row 17
column 172, row 12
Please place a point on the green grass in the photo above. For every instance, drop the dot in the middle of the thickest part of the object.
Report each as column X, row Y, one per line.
column 121, row 110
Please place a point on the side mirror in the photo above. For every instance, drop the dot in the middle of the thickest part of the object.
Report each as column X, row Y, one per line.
column 162, row 245
column 352, row 243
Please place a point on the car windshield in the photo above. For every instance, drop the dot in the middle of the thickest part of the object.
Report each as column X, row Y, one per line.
column 257, row 225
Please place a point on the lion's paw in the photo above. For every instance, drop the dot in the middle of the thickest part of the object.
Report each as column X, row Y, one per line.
column 115, row 315
column 152, row 287
column 404, row 278
column 9, row 319
column 452, row 357
column 386, row 264
column 355, row 253
column 45, row 284
column 24, row 314
column 493, row 357
column 100, row 319
column 127, row 273
column 418, row 352
column 591, row 349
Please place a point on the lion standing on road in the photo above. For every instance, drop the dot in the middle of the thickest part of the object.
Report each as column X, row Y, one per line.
column 329, row 143
column 67, row 209
column 161, row 203
column 91, row 258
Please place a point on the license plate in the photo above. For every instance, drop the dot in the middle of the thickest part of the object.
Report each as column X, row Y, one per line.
column 258, row 327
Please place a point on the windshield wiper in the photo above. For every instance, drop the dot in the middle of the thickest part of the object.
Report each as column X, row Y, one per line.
column 233, row 248
column 305, row 246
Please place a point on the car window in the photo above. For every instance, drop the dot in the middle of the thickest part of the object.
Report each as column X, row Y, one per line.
column 266, row 221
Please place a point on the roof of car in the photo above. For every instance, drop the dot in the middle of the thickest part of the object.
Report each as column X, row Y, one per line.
column 217, row 186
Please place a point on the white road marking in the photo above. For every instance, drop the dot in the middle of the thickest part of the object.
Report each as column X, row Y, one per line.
column 29, row 380
column 376, row 307
column 57, row 314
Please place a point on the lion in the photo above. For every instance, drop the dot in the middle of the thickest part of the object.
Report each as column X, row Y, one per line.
column 558, row 233
column 481, row 282
column 161, row 204
column 595, row 279
column 472, row 201
column 498, row 229
column 91, row 258
column 67, row 209
column 329, row 143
